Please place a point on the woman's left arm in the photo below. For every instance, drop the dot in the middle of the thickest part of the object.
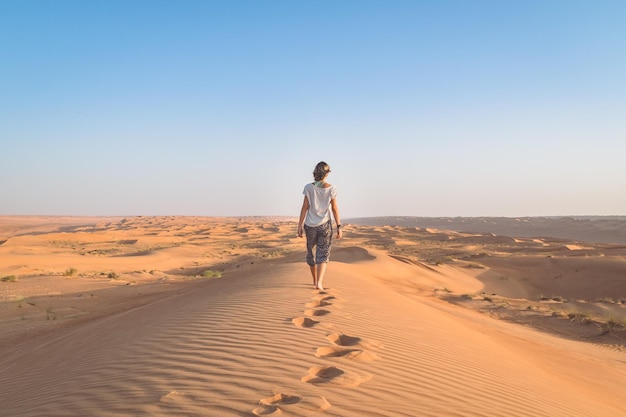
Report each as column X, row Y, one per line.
column 335, row 210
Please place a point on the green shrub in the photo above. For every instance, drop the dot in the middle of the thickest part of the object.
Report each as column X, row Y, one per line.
column 9, row 278
column 209, row 273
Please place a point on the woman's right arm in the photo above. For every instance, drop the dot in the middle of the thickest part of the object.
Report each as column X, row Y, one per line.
column 303, row 210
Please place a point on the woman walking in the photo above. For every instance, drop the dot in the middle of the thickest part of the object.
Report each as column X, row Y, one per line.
column 320, row 199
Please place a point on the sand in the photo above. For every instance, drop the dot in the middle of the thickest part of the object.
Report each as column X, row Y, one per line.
column 193, row 316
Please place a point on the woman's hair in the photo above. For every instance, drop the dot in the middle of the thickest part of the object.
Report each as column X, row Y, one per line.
column 321, row 170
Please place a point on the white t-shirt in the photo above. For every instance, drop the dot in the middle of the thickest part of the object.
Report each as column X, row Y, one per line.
column 319, row 203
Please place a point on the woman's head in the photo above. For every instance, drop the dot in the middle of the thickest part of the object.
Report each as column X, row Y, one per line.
column 321, row 170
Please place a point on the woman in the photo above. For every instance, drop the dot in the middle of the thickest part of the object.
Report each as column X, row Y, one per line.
column 320, row 198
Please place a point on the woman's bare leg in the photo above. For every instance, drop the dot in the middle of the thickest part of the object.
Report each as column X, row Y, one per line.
column 321, row 270
column 314, row 275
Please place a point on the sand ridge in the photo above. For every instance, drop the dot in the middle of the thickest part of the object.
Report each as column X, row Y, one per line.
column 217, row 317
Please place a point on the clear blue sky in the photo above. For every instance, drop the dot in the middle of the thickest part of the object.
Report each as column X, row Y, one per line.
column 424, row 108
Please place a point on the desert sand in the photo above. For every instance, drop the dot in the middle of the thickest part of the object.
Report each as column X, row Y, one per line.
column 198, row 316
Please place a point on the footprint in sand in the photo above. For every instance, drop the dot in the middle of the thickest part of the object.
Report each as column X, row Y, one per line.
column 318, row 303
column 304, row 322
column 324, row 298
column 172, row 397
column 340, row 352
column 274, row 405
column 271, row 405
column 316, row 313
column 333, row 375
column 340, row 339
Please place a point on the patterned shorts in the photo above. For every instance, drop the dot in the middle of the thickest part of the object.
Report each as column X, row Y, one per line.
column 319, row 237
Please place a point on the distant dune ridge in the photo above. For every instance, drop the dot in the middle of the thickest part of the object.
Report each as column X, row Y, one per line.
column 602, row 229
column 206, row 316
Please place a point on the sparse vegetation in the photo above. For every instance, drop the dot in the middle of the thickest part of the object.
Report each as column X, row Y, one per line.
column 71, row 272
column 9, row 278
column 209, row 273
column 581, row 317
column 609, row 325
column 112, row 275
column 275, row 253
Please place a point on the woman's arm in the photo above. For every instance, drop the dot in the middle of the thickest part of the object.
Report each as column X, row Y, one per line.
column 303, row 210
column 335, row 209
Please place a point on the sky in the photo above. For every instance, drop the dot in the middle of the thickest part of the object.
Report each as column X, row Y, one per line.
column 223, row 108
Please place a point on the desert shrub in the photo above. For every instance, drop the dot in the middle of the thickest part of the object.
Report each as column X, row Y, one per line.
column 112, row 275
column 71, row 272
column 209, row 273
column 610, row 325
column 9, row 278
column 581, row 317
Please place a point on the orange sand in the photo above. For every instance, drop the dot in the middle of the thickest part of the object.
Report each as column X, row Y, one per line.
column 182, row 316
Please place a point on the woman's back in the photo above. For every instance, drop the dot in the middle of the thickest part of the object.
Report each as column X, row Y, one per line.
column 319, row 200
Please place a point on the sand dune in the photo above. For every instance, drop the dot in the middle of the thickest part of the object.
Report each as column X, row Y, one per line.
column 601, row 229
column 217, row 317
